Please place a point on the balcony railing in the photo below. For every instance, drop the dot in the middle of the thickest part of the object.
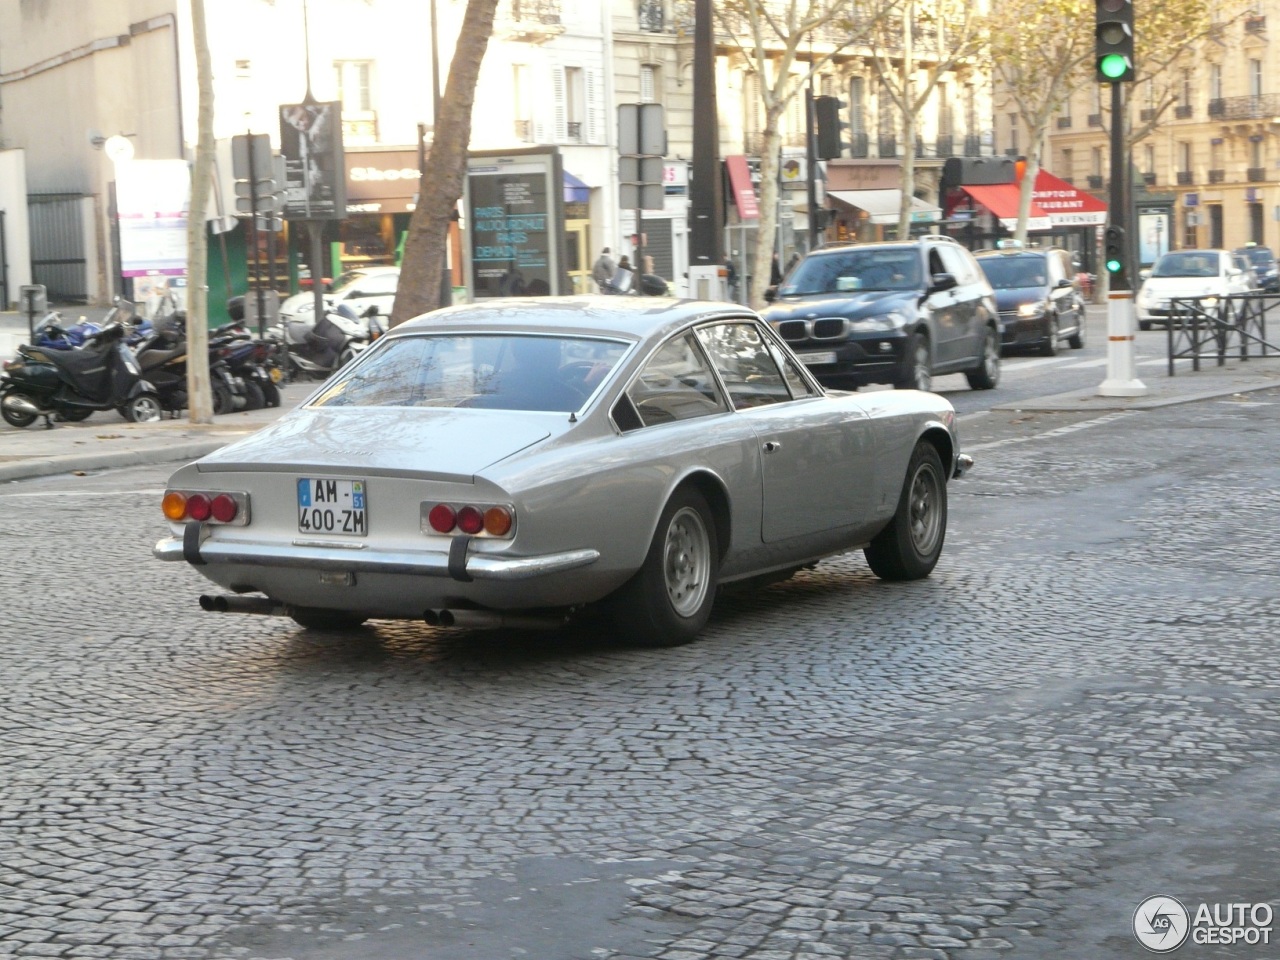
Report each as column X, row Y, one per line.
column 1149, row 179
column 528, row 21
column 1217, row 176
column 1095, row 119
column 1255, row 24
column 1012, row 152
column 1147, row 113
column 524, row 131
column 1260, row 107
column 1183, row 111
column 360, row 130
column 945, row 145
column 1064, row 123
column 651, row 16
column 973, row 146
column 1095, row 182
column 1184, row 178
column 859, row 146
column 1256, row 174
column 573, row 131
column 887, row 147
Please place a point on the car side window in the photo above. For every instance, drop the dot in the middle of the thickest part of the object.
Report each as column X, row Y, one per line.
column 676, row 384
column 791, row 373
column 744, row 363
column 953, row 262
column 935, row 264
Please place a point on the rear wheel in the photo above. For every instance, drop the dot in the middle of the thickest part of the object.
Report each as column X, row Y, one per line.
column 317, row 618
column 909, row 547
column 223, row 401
column 917, row 372
column 1049, row 347
column 12, row 415
column 271, row 395
column 144, row 408
column 1144, row 324
column 253, row 395
column 670, row 598
column 986, row 374
column 1076, row 340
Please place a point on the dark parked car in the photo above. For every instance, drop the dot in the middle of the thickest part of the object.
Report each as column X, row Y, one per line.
column 1264, row 265
column 898, row 313
column 1039, row 299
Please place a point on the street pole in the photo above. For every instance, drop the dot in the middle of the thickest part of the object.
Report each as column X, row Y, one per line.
column 446, row 278
column 1122, row 371
column 706, row 201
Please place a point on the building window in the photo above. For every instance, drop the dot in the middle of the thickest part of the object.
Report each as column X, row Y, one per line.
column 573, row 105
column 1013, row 133
column 1215, row 81
column 355, row 88
column 648, row 83
column 1149, row 159
column 1095, row 162
column 1255, row 78
column 522, row 103
column 1067, row 170
column 857, row 106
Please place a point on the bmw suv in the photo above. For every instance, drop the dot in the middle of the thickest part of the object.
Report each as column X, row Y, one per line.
column 899, row 313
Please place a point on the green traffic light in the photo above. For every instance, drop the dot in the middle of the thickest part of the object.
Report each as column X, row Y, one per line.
column 1113, row 66
column 1113, row 265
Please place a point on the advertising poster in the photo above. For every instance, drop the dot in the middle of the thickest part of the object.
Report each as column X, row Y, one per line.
column 514, row 226
column 1153, row 236
column 153, row 198
column 315, row 172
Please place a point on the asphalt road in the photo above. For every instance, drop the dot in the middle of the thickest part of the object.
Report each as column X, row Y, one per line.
column 1075, row 712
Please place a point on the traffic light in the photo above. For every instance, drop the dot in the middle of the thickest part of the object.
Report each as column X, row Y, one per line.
column 1114, row 36
column 826, row 114
column 1113, row 251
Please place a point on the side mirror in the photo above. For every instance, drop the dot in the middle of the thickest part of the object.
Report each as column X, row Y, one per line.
column 1064, row 282
column 942, row 281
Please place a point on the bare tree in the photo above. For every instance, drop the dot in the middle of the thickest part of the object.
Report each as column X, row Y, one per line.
column 199, row 395
column 425, row 248
column 769, row 35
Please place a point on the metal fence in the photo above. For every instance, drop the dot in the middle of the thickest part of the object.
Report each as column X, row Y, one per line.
column 1216, row 328
column 58, row 257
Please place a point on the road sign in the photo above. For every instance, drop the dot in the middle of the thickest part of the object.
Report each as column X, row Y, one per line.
column 260, row 162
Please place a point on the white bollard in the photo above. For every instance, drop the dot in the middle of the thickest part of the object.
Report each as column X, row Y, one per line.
column 1122, row 366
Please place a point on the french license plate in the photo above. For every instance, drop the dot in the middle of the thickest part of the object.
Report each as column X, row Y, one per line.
column 332, row 506
column 824, row 356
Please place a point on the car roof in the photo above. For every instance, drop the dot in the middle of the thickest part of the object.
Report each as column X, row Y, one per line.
column 631, row 318
column 372, row 269
column 1033, row 252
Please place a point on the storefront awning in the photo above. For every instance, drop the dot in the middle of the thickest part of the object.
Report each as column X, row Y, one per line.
column 575, row 190
column 881, row 206
column 1002, row 200
column 744, row 194
column 1065, row 205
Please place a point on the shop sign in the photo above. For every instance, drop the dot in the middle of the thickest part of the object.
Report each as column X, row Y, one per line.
column 381, row 181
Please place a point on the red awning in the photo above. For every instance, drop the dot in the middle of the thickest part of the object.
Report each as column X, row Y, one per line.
column 1065, row 205
column 744, row 194
column 1002, row 200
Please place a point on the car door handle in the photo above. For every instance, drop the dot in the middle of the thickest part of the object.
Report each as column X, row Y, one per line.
column 772, row 446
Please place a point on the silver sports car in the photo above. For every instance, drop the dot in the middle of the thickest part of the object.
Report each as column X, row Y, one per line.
column 514, row 462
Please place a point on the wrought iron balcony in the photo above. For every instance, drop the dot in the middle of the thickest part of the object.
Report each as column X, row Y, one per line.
column 1095, row 119
column 887, row 147
column 1146, row 113
column 1260, row 107
column 1149, row 179
column 1217, row 176
column 860, row 146
column 1183, row 111
column 1064, row 123
column 1095, row 182
column 574, row 131
column 973, row 146
column 1184, row 178
column 651, row 16
column 360, row 130
column 945, row 145
column 528, row 21
column 1256, row 174
column 1255, row 24
column 524, row 131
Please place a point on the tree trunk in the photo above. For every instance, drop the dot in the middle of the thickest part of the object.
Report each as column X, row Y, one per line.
column 425, row 250
column 199, row 395
column 767, row 225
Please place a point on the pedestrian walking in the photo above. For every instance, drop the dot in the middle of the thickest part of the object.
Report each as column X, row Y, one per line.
column 731, row 278
column 602, row 272
column 775, row 271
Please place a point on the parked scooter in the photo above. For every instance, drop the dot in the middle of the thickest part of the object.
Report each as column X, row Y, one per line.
column 254, row 361
column 315, row 352
column 163, row 358
column 71, row 384
column 53, row 332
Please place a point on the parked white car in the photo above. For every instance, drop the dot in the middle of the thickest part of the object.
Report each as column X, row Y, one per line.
column 1187, row 273
column 359, row 289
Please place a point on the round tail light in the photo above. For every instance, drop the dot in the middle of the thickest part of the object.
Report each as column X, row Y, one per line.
column 442, row 518
column 174, row 505
column 224, row 508
column 497, row 521
column 470, row 520
column 199, row 507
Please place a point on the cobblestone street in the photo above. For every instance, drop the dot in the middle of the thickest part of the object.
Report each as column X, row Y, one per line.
column 1077, row 711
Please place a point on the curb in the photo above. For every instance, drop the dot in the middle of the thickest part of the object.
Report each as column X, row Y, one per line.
column 1091, row 402
column 73, row 463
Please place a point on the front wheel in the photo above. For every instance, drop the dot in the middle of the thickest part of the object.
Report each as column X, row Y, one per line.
column 1076, row 340
column 986, row 374
column 144, row 408
column 223, row 400
column 12, row 415
column 917, row 368
column 271, row 394
column 670, row 598
column 909, row 547
column 1049, row 347
column 1144, row 324
column 255, row 399
column 317, row 618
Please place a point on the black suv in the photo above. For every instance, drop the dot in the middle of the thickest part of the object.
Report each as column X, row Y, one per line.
column 896, row 313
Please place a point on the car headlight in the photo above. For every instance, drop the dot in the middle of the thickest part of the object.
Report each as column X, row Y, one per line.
column 883, row 324
column 1030, row 309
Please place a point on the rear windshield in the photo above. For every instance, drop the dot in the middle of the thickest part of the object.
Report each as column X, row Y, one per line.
column 1186, row 265
column 852, row 270
column 1009, row 273
column 1258, row 256
column 494, row 371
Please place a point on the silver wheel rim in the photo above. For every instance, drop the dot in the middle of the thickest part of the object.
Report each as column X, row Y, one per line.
column 146, row 410
column 991, row 358
column 686, row 565
column 925, row 510
column 924, row 380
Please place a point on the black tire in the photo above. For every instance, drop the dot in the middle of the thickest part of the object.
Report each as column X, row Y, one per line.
column 223, row 401
column 271, row 395
column 1076, row 340
column 16, row 418
column 317, row 618
column 986, row 374
column 909, row 547
column 670, row 598
column 254, row 399
column 1144, row 324
column 1049, row 347
column 144, row 408
column 916, row 372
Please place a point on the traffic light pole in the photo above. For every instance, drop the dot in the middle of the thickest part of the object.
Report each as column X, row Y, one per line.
column 1122, row 374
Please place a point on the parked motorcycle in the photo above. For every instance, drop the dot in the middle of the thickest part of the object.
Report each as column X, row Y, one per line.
column 162, row 354
column 71, row 384
column 53, row 332
column 253, row 360
column 315, row 352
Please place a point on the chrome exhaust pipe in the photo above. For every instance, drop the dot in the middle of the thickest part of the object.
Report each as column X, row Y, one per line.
column 16, row 401
column 227, row 603
column 490, row 620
